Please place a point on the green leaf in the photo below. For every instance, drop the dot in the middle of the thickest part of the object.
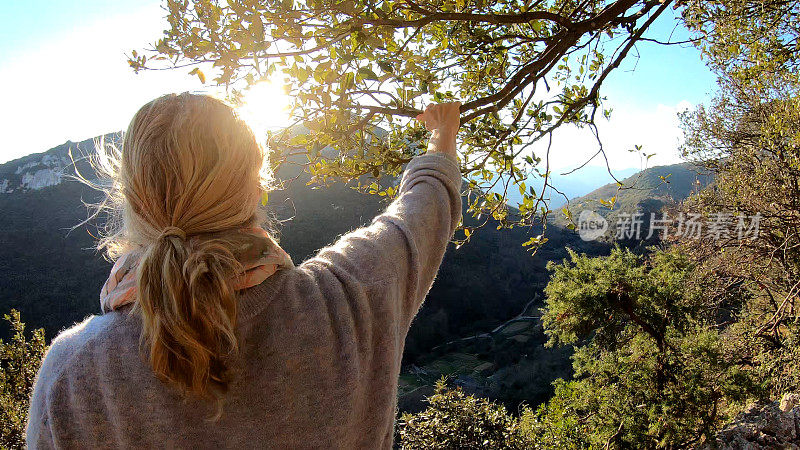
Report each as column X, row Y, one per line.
column 365, row 73
column 385, row 66
column 300, row 139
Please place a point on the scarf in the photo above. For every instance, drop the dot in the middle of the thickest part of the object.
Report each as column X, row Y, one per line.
column 253, row 247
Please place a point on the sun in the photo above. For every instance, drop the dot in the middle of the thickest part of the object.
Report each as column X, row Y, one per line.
column 266, row 106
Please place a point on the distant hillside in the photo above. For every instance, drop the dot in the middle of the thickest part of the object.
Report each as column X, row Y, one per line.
column 50, row 274
column 647, row 191
column 53, row 276
column 572, row 185
column 586, row 180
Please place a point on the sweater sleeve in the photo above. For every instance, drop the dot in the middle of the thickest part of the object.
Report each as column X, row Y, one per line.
column 402, row 249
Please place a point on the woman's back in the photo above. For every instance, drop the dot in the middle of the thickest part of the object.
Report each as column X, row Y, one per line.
column 319, row 355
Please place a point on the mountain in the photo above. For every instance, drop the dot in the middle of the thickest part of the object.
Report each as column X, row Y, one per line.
column 52, row 275
column 39, row 170
column 572, row 185
column 671, row 183
column 647, row 191
column 48, row 272
column 586, row 179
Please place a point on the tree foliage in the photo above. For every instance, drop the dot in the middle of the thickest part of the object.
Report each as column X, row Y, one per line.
column 651, row 370
column 749, row 137
column 747, row 39
column 358, row 68
column 455, row 420
column 20, row 359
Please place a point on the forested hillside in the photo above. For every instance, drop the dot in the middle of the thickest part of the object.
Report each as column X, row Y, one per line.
column 647, row 191
column 52, row 275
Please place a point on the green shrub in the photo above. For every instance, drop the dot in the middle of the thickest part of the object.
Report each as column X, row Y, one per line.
column 455, row 420
column 651, row 370
column 20, row 359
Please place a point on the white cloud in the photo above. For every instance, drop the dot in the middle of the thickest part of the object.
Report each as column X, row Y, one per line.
column 657, row 130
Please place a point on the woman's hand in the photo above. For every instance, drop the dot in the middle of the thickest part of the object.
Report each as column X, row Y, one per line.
column 443, row 120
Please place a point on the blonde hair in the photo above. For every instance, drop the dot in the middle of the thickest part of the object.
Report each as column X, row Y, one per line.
column 188, row 166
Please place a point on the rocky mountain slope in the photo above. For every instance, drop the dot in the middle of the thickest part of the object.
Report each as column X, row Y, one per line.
column 772, row 426
column 41, row 170
column 573, row 184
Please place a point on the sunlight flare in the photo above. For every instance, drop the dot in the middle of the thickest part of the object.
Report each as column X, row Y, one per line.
column 266, row 106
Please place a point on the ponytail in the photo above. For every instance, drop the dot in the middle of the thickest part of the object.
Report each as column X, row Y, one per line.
column 189, row 306
column 189, row 161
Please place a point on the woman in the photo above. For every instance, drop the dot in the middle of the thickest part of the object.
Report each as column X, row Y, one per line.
column 210, row 337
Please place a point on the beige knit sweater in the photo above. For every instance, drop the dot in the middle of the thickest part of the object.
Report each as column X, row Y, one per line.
column 320, row 347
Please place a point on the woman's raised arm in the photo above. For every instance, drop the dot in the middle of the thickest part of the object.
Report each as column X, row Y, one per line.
column 401, row 250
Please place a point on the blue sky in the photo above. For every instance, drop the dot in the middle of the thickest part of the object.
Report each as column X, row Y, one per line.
column 34, row 23
column 65, row 74
column 64, row 71
column 662, row 73
column 645, row 94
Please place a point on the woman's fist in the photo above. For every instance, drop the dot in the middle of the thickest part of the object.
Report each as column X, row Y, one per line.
column 443, row 120
column 442, row 116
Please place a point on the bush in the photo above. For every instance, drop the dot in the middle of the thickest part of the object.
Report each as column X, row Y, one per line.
column 455, row 420
column 651, row 367
column 19, row 362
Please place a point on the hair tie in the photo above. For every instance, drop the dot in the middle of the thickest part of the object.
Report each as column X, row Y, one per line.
column 172, row 231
